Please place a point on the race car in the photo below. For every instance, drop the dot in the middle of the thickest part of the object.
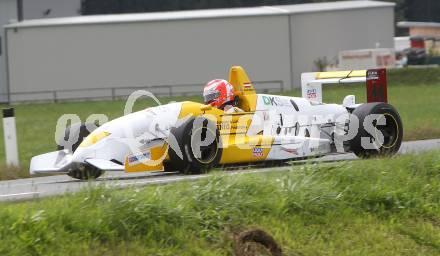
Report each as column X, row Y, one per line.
column 191, row 137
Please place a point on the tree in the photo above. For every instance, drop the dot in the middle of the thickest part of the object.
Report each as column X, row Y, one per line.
column 413, row 10
column 133, row 6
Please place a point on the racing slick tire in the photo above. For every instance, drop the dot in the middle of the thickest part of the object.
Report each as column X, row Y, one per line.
column 392, row 131
column 187, row 136
column 84, row 172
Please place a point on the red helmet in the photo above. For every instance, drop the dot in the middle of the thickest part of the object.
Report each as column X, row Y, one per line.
column 218, row 92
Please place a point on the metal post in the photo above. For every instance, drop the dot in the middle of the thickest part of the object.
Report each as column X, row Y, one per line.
column 55, row 97
column 10, row 135
column 19, row 10
column 292, row 78
column 8, row 80
column 113, row 94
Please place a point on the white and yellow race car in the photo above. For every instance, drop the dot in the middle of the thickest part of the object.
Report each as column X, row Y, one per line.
column 191, row 137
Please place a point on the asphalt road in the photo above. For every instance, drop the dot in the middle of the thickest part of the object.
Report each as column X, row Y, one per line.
column 33, row 188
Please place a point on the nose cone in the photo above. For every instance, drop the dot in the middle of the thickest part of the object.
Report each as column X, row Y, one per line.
column 130, row 133
column 154, row 121
column 83, row 153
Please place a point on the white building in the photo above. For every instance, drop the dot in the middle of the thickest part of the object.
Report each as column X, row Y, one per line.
column 10, row 10
column 277, row 43
column 40, row 9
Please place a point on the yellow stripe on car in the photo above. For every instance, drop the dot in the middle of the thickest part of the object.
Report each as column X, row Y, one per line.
column 341, row 74
column 93, row 138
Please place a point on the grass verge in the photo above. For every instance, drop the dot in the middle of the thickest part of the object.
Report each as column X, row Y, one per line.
column 366, row 207
column 12, row 173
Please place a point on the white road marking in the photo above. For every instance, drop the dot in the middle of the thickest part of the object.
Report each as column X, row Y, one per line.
column 19, row 196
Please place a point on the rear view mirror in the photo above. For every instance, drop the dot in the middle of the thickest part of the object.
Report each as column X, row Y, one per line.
column 205, row 107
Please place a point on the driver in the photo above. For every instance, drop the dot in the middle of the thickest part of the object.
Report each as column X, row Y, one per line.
column 219, row 93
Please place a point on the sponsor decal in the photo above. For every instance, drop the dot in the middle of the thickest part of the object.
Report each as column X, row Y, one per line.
column 241, row 127
column 224, row 126
column 136, row 159
column 257, row 152
column 229, row 126
column 372, row 75
column 311, row 93
column 275, row 101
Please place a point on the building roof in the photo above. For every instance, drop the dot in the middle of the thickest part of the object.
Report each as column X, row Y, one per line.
column 412, row 24
column 333, row 6
column 202, row 14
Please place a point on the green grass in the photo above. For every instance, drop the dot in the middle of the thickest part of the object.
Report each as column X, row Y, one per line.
column 366, row 207
column 414, row 92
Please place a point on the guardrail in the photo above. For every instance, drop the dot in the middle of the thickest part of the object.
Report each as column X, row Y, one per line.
column 115, row 93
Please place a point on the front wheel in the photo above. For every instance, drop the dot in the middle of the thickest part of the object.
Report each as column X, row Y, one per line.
column 86, row 172
column 380, row 130
column 80, row 131
column 197, row 148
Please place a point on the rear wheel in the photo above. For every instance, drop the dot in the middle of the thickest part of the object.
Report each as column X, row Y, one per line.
column 383, row 137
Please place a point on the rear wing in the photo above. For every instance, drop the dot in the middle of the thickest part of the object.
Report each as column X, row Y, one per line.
column 374, row 79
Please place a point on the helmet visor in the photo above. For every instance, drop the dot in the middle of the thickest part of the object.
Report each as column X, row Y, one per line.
column 209, row 96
